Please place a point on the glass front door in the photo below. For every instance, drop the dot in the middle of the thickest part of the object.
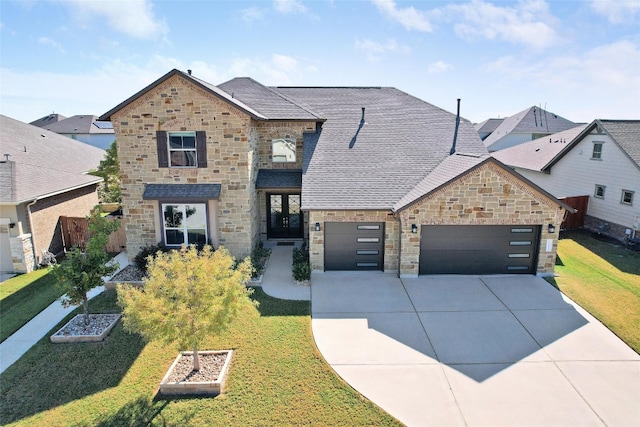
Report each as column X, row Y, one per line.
column 284, row 217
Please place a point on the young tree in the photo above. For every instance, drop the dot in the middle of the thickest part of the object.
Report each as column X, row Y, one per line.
column 80, row 271
column 187, row 296
column 108, row 170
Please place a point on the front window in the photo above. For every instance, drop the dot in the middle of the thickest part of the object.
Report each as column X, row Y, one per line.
column 284, row 150
column 627, row 197
column 185, row 224
column 182, row 149
column 597, row 151
column 599, row 193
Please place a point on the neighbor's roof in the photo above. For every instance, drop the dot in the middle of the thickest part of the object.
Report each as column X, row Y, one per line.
column 80, row 124
column 48, row 119
column 42, row 163
column 626, row 133
column 488, row 125
column 537, row 154
column 371, row 158
column 531, row 120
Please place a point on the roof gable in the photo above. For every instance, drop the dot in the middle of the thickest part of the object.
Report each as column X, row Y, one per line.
column 625, row 133
column 80, row 124
column 197, row 82
column 533, row 120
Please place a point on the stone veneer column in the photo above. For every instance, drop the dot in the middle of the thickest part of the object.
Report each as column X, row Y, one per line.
column 22, row 253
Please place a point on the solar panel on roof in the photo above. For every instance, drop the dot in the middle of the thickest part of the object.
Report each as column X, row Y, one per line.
column 103, row 125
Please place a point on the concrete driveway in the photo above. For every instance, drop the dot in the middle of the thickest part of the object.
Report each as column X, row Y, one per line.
column 474, row 351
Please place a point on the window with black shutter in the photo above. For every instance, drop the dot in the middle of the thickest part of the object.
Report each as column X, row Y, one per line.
column 182, row 149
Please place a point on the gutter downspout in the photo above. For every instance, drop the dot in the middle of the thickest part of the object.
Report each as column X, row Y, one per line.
column 455, row 133
column 399, row 243
column 33, row 237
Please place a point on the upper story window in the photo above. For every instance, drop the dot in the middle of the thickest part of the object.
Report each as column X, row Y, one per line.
column 597, row 151
column 627, row 197
column 182, row 149
column 599, row 193
column 283, row 150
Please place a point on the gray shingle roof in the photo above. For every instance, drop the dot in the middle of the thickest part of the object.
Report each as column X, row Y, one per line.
column 79, row 124
column 488, row 125
column 181, row 191
column 350, row 165
column 279, row 178
column 267, row 101
column 42, row 162
column 47, row 120
column 529, row 121
column 537, row 154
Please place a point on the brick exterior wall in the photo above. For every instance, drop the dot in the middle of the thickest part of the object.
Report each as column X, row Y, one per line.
column 237, row 146
column 316, row 238
column 488, row 195
column 614, row 230
column 45, row 227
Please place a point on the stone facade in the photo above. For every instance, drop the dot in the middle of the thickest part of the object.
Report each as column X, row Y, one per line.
column 391, row 227
column 22, row 253
column 488, row 195
column 237, row 146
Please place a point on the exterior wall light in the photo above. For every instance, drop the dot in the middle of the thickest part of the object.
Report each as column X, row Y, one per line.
column 414, row 228
column 317, row 226
column 551, row 228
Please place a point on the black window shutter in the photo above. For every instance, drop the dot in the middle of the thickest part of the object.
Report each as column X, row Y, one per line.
column 163, row 150
column 201, row 148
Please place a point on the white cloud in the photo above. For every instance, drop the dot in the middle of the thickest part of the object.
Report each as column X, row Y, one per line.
column 289, row 6
column 528, row 23
column 252, row 14
column 46, row 41
column 375, row 50
column 408, row 17
column 604, row 80
column 134, row 17
column 439, row 67
column 277, row 69
column 617, row 11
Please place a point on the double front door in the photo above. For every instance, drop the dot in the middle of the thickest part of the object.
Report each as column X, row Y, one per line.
column 284, row 217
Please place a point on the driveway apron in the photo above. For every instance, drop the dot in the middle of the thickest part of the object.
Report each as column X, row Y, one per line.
column 474, row 351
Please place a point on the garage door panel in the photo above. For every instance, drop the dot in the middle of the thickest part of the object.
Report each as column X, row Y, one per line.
column 478, row 249
column 354, row 246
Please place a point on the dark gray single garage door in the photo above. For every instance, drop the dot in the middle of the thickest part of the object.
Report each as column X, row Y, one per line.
column 478, row 249
column 354, row 246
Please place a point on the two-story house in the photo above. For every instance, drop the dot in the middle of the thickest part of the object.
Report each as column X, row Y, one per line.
column 600, row 160
column 373, row 178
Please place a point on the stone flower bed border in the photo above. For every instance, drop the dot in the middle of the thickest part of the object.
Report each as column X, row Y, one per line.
column 67, row 334
column 209, row 388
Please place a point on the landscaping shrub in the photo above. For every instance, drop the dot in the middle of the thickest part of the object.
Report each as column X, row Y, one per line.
column 301, row 267
column 259, row 259
column 141, row 259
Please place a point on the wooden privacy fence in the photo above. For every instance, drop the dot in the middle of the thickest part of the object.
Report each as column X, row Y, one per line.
column 75, row 232
column 576, row 220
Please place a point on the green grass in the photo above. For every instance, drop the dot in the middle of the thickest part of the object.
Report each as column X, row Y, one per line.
column 24, row 296
column 277, row 377
column 605, row 280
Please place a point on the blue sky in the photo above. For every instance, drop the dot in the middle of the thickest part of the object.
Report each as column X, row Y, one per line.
column 579, row 59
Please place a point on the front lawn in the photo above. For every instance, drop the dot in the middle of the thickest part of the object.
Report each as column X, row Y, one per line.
column 277, row 377
column 24, row 296
column 604, row 279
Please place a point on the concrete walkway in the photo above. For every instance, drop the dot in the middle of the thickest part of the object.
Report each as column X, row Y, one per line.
column 474, row 351
column 277, row 280
column 24, row 338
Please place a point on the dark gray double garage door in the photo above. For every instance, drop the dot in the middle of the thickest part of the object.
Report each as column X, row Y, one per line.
column 446, row 249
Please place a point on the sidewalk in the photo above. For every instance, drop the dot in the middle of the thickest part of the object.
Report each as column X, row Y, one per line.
column 277, row 280
column 24, row 338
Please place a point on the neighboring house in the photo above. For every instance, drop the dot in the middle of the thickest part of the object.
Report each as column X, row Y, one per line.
column 527, row 125
column 43, row 176
column 85, row 128
column 365, row 174
column 48, row 120
column 487, row 127
column 600, row 160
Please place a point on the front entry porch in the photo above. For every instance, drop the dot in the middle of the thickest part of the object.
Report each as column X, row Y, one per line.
column 284, row 217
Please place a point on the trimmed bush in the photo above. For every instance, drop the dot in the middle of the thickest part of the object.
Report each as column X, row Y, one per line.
column 301, row 269
column 142, row 258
